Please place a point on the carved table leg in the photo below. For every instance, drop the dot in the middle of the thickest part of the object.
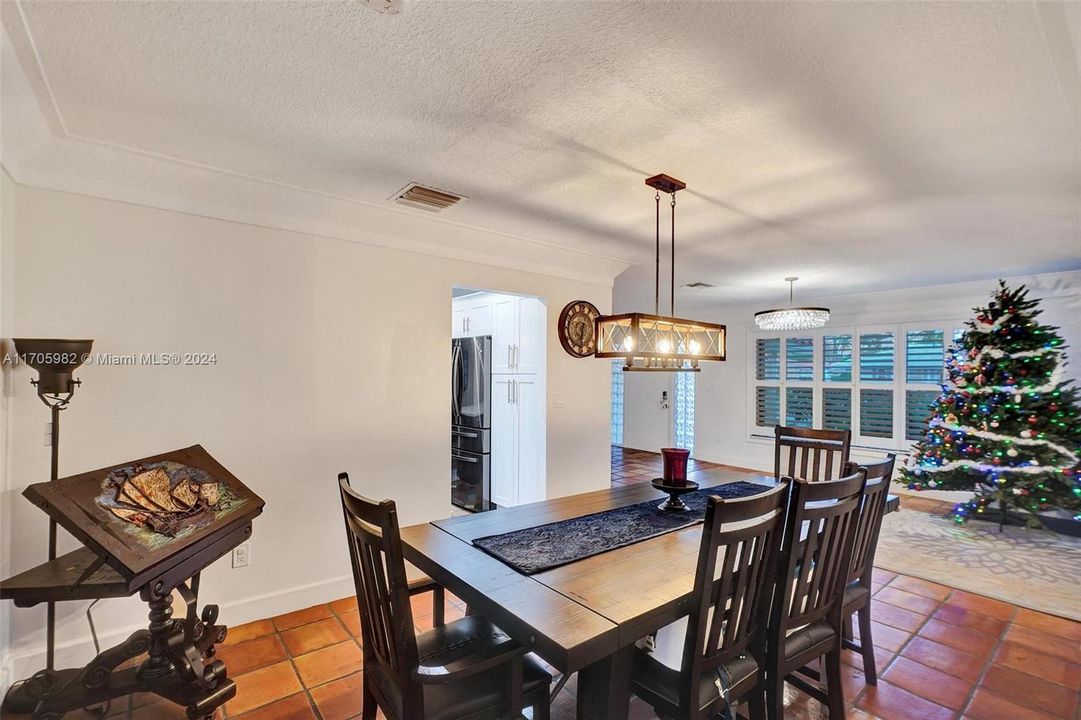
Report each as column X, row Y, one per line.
column 161, row 627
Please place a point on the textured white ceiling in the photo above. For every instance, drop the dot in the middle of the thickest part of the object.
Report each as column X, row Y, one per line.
column 858, row 145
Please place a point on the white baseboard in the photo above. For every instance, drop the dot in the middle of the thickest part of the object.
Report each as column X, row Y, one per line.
column 22, row 662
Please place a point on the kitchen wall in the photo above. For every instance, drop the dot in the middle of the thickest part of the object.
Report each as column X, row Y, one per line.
column 331, row 355
column 722, row 428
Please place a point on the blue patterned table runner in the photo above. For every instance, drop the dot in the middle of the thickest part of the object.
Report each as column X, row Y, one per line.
column 532, row 550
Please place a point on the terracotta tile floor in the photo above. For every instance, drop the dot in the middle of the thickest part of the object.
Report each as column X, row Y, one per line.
column 941, row 653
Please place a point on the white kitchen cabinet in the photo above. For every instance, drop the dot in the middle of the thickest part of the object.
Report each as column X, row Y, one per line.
column 517, row 440
column 478, row 316
column 458, row 321
column 517, row 335
column 471, row 316
column 529, row 350
column 529, row 403
column 504, row 332
column 504, row 463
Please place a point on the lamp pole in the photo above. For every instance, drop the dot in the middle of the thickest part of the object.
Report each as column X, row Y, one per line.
column 55, row 360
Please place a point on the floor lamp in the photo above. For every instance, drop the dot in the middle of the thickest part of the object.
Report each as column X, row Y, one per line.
column 55, row 361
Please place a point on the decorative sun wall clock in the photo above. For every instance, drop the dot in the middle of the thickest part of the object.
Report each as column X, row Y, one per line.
column 578, row 328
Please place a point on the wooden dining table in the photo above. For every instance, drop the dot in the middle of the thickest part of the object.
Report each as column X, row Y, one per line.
column 584, row 616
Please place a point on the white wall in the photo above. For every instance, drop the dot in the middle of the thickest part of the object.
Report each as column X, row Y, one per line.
column 7, row 236
column 331, row 355
column 722, row 428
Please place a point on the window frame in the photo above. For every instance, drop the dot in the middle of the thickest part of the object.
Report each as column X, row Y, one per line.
column 898, row 386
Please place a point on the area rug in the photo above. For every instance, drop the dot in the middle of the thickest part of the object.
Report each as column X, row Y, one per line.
column 544, row 547
column 1036, row 569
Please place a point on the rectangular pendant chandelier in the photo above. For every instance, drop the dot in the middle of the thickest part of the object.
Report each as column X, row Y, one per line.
column 660, row 343
column 657, row 342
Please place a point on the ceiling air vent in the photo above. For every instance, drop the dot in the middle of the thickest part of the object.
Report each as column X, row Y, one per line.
column 426, row 198
column 699, row 285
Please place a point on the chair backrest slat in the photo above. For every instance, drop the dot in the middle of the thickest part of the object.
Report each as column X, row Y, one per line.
column 386, row 618
column 873, row 510
column 803, row 450
column 816, row 555
column 733, row 584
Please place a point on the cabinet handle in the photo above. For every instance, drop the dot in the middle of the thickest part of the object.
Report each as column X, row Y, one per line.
column 510, row 356
column 515, row 392
column 517, row 355
column 509, row 401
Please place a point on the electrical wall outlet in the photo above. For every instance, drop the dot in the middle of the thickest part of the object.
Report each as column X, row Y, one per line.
column 242, row 555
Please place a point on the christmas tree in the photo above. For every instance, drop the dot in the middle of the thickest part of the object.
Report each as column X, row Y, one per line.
column 1006, row 424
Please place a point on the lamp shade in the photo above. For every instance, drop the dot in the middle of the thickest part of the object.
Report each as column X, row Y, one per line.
column 657, row 342
column 55, row 360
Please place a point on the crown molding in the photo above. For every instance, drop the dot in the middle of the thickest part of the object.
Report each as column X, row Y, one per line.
column 39, row 151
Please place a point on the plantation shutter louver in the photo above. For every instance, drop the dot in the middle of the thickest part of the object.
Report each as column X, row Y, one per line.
column 837, row 358
column 767, row 412
column 768, row 359
column 799, row 407
column 836, row 408
column 923, row 356
column 876, row 357
column 799, row 358
column 876, row 413
column 917, row 411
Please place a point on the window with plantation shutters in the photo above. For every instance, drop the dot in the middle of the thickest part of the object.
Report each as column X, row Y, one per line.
column 799, row 358
column 876, row 357
column 917, row 411
column 837, row 408
column 768, row 359
column 878, row 381
column 799, row 407
column 876, row 413
column 837, row 358
column 924, row 356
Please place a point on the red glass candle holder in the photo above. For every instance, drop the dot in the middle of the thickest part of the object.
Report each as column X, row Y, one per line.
column 675, row 465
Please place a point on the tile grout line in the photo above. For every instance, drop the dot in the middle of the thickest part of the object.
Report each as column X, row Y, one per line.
column 912, row 636
column 991, row 659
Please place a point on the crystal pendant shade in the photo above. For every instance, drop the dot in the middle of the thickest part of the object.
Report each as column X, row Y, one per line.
column 656, row 342
column 795, row 318
column 791, row 317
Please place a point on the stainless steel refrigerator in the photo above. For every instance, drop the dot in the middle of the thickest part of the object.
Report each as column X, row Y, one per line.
column 471, row 423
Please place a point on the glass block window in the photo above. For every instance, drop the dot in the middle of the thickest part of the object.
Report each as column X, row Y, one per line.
column 837, row 408
column 837, row 358
column 876, row 357
column 768, row 359
column 799, row 358
column 617, row 402
column 683, row 423
column 799, row 407
column 876, row 413
column 917, row 411
column 767, row 406
column 924, row 356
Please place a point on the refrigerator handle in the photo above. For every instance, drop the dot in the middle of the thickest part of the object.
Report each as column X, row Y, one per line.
column 456, row 385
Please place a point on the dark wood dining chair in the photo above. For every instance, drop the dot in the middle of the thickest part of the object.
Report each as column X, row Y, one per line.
column 805, row 619
column 810, row 454
column 465, row 669
column 725, row 633
column 857, row 592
